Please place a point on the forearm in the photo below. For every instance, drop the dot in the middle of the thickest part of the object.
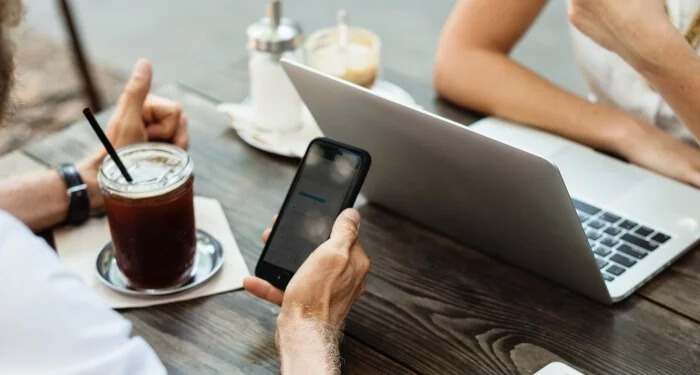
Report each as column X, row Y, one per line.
column 491, row 83
column 673, row 69
column 40, row 201
column 307, row 347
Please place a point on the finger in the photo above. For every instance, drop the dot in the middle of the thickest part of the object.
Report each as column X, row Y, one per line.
column 165, row 128
column 136, row 90
column 156, row 108
column 266, row 232
column 162, row 118
column 360, row 259
column 266, row 235
column 345, row 229
column 263, row 289
column 181, row 137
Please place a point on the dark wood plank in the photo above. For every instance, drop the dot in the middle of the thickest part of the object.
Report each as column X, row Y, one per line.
column 232, row 334
column 433, row 305
column 678, row 287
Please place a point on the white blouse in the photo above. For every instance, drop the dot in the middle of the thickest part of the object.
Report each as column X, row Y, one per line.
column 52, row 323
column 612, row 81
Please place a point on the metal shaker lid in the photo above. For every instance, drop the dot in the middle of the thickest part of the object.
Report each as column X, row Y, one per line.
column 273, row 33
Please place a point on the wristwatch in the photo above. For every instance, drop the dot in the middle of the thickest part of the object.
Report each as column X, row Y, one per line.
column 76, row 189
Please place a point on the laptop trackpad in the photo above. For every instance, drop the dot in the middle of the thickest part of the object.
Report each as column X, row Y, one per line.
column 595, row 177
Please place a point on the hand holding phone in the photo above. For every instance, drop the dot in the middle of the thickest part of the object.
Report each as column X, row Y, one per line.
column 328, row 180
column 318, row 298
column 329, row 281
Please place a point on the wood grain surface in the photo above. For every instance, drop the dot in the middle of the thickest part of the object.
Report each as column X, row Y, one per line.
column 433, row 306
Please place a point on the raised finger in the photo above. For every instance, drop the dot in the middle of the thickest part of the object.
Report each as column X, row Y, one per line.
column 131, row 102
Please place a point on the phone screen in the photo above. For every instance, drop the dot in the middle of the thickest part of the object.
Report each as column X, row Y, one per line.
column 324, row 181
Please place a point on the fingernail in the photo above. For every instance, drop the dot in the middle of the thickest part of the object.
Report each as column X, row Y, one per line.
column 352, row 214
column 142, row 68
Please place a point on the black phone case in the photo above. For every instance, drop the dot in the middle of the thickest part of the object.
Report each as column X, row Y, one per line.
column 280, row 277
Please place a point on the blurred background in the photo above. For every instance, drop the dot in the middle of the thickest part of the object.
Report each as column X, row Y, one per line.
column 201, row 44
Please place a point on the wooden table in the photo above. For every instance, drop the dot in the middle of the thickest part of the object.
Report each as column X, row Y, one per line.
column 433, row 306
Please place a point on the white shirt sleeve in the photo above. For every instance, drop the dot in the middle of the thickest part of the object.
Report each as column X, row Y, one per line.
column 52, row 323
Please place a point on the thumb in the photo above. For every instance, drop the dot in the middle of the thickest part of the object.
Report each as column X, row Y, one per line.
column 136, row 89
column 346, row 228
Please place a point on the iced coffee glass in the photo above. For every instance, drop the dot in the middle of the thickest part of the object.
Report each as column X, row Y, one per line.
column 356, row 61
column 151, row 219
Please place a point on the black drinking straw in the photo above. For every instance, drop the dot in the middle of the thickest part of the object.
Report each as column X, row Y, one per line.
column 110, row 150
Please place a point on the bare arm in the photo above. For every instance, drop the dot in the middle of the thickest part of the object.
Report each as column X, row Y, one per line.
column 676, row 76
column 640, row 32
column 306, row 347
column 472, row 69
column 40, row 201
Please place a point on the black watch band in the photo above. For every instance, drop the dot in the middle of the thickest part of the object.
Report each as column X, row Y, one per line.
column 79, row 201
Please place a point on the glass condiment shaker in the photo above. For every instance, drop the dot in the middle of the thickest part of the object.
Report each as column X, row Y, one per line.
column 275, row 103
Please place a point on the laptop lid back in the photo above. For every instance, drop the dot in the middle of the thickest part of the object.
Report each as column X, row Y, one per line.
column 496, row 198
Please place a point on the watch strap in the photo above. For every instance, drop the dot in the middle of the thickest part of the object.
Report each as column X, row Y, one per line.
column 78, row 199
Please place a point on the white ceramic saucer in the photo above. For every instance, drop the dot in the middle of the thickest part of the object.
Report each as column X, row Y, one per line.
column 294, row 143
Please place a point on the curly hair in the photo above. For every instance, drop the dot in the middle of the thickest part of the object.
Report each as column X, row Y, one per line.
column 10, row 16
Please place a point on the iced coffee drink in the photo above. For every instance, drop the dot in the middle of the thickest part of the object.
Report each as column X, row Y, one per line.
column 151, row 219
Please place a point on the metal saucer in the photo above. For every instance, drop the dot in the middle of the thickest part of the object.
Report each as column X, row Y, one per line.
column 208, row 260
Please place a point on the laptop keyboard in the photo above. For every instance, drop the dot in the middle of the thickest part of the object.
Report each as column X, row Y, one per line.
column 618, row 243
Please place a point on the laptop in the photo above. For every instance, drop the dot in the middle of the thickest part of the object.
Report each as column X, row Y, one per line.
column 592, row 223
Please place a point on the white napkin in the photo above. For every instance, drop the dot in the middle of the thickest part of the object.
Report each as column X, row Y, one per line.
column 78, row 248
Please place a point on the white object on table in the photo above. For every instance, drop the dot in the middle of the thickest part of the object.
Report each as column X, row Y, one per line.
column 557, row 368
column 294, row 143
column 275, row 103
column 78, row 248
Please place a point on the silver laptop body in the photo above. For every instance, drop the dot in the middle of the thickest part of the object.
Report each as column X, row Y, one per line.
column 497, row 187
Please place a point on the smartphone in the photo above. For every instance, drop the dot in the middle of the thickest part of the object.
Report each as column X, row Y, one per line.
column 327, row 182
